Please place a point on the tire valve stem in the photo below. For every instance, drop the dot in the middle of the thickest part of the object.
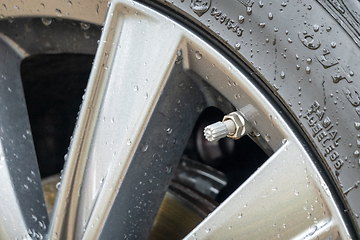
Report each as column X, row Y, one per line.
column 233, row 126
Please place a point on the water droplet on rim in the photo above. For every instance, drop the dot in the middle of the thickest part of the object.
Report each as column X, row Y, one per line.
column 198, row 55
column 267, row 138
column 46, row 21
column 58, row 12
column 85, row 26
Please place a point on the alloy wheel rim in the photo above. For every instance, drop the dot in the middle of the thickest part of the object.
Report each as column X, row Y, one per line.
column 110, row 142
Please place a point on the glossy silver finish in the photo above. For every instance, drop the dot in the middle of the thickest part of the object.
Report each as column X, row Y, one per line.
column 22, row 207
column 218, row 130
column 239, row 121
column 149, row 83
column 130, row 147
column 285, row 199
column 233, row 126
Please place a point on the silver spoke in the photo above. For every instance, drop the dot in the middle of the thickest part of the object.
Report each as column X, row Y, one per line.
column 286, row 198
column 128, row 137
column 22, row 207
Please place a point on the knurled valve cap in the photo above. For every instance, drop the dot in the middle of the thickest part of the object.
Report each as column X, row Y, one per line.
column 218, row 130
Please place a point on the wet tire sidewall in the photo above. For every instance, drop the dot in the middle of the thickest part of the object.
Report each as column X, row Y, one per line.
column 307, row 53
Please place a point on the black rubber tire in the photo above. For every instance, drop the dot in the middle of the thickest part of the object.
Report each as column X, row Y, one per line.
column 307, row 54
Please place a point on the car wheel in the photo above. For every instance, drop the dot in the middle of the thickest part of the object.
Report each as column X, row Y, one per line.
column 279, row 74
